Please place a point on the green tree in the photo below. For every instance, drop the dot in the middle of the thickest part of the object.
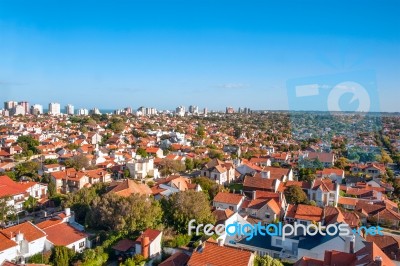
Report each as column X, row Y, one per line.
column 78, row 162
column 266, row 261
column 30, row 204
column 61, row 256
column 208, row 186
column 51, row 187
column 295, row 195
column 28, row 168
column 189, row 164
column 142, row 152
column 184, row 206
column 5, row 209
column 128, row 214
column 28, row 143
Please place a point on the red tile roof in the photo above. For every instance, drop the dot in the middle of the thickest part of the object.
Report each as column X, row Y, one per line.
column 228, row 198
column 30, row 231
column 69, row 234
column 215, row 255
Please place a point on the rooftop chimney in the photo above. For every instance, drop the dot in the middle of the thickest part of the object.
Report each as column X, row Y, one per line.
column 253, row 195
column 352, row 244
column 378, row 260
column 220, row 242
column 145, row 242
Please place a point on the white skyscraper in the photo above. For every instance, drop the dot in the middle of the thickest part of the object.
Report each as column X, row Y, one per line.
column 54, row 109
column 83, row 111
column 69, row 109
column 36, row 109
column 180, row 111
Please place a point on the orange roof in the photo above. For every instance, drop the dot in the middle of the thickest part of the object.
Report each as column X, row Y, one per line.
column 69, row 234
column 8, row 187
column 215, row 255
column 48, row 223
column 228, row 198
column 128, row 187
column 30, row 231
column 150, row 233
column 6, row 243
column 305, row 212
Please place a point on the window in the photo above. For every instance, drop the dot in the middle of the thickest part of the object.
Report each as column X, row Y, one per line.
column 278, row 242
column 82, row 244
column 267, row 215
column 231, row 208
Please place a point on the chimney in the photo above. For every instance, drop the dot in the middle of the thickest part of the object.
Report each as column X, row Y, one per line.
column 378, row 261
column 220, row 242
column 253, row 195
column 352, row 244
column 179, row 185
column 145, row 242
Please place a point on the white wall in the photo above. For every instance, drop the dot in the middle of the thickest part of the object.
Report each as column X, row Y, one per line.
column 8, row 254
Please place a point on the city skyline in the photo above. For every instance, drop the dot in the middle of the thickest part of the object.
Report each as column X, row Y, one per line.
column 166, row 53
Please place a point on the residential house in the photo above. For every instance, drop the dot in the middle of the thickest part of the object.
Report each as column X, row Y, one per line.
column 165, row 187
column 221, row 172
column 21, row 241
column 326, row 158
column 155, row 152
column 251, row 183
column 303, row 214
column 226, row 200
column 324, row 192
column 336, row 175
column 142, row 168
column 217, row 255
column 148, row 244
column 370, row 255
column 127, row 187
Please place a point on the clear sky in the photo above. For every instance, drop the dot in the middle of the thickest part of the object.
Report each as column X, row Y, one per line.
column 113, row 54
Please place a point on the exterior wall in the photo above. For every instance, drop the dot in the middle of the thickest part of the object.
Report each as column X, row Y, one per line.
column 155, row 246
column 8, row 254
column 79, row 245
column 232, row 207
column 36, row 246
column 261, row 213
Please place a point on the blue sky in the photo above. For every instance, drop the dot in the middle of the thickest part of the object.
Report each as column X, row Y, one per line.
column 112, row 54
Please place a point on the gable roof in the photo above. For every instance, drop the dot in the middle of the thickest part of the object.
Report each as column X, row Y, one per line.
column 127, row 187
column 212, row 254
column 30, row 231
column 228, row 198
column 305, row 212
column 68, row 236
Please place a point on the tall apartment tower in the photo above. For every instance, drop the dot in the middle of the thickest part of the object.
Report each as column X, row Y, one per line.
column 69, row 109
column 54, row 109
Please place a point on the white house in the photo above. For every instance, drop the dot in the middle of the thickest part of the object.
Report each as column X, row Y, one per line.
column 140, row 168
column 149, row 243
column 226, row 200
column 21, row 241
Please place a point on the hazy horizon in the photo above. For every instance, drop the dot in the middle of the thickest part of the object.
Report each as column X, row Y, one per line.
column 212, row 54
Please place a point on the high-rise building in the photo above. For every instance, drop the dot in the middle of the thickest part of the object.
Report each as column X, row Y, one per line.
column 193, row 109
column 18, row 110
column 82, row 111
column 180, row 111
column 95, row 111
column 9, row 105
column 26, row 106
column 69, row 109
column 54, row 109
column 230, row 110
column 36, row 109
